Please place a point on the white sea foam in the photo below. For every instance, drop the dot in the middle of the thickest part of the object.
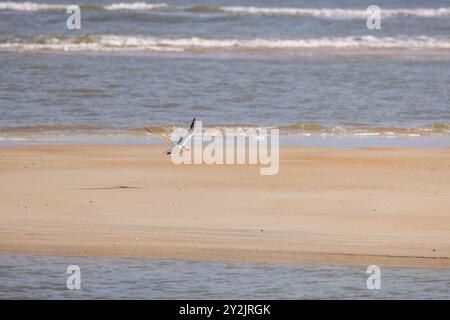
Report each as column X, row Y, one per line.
column 33, row 6
column 135, row 6
column 338, row 13
column 136, row 43
column 30, row 6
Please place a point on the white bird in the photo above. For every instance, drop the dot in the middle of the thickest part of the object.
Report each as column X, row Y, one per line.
column 181, row 143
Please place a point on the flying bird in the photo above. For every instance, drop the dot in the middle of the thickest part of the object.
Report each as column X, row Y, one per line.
column 181, row 143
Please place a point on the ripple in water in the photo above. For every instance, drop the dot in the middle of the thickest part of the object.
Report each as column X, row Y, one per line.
column 44, row 277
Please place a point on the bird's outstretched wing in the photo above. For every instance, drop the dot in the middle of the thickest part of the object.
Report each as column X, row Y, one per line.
column 163, row 136
column 180, row 143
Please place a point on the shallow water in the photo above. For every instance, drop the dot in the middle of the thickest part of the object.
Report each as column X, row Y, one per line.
column 44, row 277
column 227, row 63
column 128, row 92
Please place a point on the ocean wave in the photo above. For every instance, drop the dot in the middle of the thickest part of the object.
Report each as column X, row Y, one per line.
column 312, row 128
column 136, row 6
column 48, row 128
column 30, row 6
column 33, row 6
column 326, row 13
column 143, row 43
column 301, row 129
column 339, row 13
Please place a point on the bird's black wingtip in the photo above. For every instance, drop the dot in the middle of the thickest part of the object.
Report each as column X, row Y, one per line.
column 148, row 129
column 192, row 124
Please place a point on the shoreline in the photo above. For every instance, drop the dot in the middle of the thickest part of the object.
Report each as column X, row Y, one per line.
column 345, row 206
column 246, row 256
column 286, row 139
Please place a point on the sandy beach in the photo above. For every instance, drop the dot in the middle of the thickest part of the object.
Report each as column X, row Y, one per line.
column 334, row 206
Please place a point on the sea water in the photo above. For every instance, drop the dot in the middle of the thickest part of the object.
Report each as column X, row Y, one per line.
column 45, row 277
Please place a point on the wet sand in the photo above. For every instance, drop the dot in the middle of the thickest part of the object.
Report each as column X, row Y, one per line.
column 333, row 206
